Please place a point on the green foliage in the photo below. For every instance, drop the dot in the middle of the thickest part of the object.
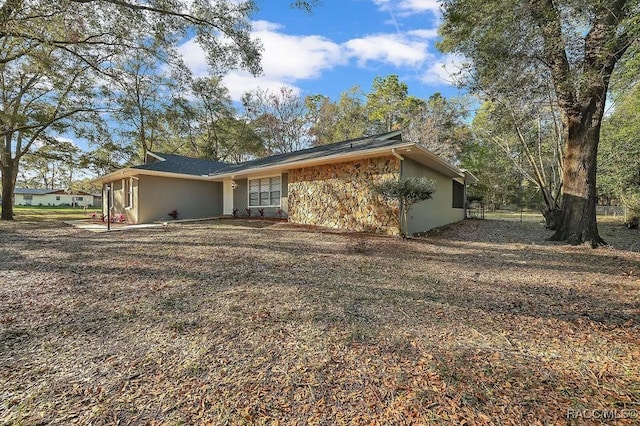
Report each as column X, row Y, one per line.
column 389, row 105
column 337, row 121
column 54, row 54
column 407, row 191
column 619, row 154
column 521, row 51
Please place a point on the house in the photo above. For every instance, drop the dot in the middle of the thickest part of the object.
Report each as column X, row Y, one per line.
column 52, row 197
column 329, row 185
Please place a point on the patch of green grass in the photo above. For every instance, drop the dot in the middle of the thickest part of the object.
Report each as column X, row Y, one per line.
column 50, row 213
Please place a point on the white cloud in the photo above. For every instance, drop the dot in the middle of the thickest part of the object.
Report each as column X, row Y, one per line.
column 240, row 82
column 295, row 57
column 419, row 6
column 194, row 57
column 444, row 71
column 394, row 49
column 288, row 58
column 424, row 34
column 409, row 7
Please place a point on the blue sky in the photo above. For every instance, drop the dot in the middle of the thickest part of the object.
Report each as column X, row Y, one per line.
column 343, row 44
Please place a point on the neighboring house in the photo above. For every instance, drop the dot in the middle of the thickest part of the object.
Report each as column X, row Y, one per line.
column 329, row 185
column 51, row 197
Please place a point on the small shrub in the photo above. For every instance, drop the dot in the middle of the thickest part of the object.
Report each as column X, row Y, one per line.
column 235, row 212
column 407, row 191
column 280, row 212
column 248, row 210
column 261, row 211
column 173, row 214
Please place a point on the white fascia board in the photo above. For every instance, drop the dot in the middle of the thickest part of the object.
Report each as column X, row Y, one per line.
column 131, row 172
column 330, row 159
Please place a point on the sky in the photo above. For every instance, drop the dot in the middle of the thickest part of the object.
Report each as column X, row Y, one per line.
column 342, row 43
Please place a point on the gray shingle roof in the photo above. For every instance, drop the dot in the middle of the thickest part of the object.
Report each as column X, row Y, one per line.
column 344, row 147
column 34, row 191
column 183, row 165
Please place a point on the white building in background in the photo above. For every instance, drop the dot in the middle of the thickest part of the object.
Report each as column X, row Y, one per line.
column 54, row 197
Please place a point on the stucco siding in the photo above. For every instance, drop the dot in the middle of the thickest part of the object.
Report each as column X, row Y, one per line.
column 158, row 196
column 341, row 195
column 437, row 211
column 240, row 196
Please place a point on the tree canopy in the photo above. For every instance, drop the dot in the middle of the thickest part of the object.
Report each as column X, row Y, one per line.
column 574, row 46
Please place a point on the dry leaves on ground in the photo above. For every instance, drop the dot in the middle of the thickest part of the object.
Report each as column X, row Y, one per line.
column 226, row 323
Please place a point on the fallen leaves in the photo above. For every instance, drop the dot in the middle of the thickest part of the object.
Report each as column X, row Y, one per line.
column 224, row 324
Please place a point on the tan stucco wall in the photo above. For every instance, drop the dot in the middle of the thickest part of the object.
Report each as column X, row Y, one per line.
column 341, row 196
column 437, row 211
column 157, row 196
column 118, row 206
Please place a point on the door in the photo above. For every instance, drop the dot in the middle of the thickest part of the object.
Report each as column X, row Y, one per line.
column 227, row 197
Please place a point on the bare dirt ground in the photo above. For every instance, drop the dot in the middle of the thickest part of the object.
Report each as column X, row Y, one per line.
column 260, row 323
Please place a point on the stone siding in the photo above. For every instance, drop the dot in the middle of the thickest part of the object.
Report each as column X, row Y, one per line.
column 341, row 196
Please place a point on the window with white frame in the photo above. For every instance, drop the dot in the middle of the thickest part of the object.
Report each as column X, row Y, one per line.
column 265, row 192
column 128, row 193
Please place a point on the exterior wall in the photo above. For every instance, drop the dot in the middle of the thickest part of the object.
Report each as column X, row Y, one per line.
column 157, row 196
column 50, row 200
column 118, row 205
column 241, row 196
column 341, row 195
column 437, row 211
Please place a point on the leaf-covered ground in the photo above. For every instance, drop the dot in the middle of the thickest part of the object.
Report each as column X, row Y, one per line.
column 258, row 323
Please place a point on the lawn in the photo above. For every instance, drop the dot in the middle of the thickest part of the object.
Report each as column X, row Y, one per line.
column 46, row 213
column 228, row 322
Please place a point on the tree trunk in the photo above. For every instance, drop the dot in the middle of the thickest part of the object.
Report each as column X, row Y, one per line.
column 578, row 218
column 9, row 175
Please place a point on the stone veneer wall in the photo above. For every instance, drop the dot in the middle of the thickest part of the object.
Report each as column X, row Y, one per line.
column 340, row 195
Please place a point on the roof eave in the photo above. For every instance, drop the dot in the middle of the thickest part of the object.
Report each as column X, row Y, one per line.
column 329, row 159
column 132, row 172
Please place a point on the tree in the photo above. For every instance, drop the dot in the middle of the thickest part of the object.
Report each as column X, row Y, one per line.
column 207, row 126
column 279, row 118
column 389, row 105
column 143, row 96
column 531, row 141
column 51, row 54
column 53, row 165
column 41, row 91
column 575, row 44
column 619, row 156
column 407, row 191
column 439, row 125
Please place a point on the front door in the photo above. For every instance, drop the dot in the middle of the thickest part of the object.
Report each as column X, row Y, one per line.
column 227, row 197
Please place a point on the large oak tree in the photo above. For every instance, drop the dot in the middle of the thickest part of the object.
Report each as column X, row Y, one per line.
column 53, row 55
column 574, row 43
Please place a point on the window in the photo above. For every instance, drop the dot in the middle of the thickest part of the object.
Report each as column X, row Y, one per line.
column 27, row 197
column 128, row 193
column 264, row 192
column 458, row 195
column 57, row 198
column 79, row 198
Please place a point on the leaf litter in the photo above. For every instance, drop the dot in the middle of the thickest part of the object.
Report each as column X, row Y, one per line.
column 483, row 322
